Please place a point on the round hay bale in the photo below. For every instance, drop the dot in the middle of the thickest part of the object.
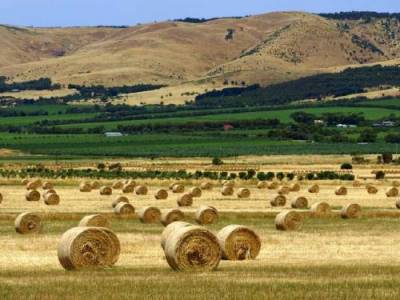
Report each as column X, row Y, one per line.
column 185, row 200
column 320, row 208
column 392, row 192
column 128, row 188
column 243, row 193
column 192, row 248
column 178, row 188
column 206, row 215
column 25, row 181
column 94, row 221
column 288, row 220
column 161, row 194
column 228, row 183
column 28, row 223
column 1, row 198
column 106, row 191
column 371, row 189
column 130, row 182
column 85, row 187
column 295, row 187
column 88, row 247
column 341, row 191
column 47, row 185
column 279, row 200
column 50, row 191
column 206, row 186
column 171, row 215
column 171, row 185
column 171, row 228
column 125, row 210
column 195, row 192
column 141, row 190
column 350, row 211
column 300, row 203
column 118, row 185
column 238, row 242
column 227, row 191
column 32, row 195
column 149, row 215
column 118, row 200
column 284, row 190
column 314, row 189
column 396, row 184
column 273, row 185
column 398, row 204
column 34, row 184
column 357, row 183
column 51, row 199
column 262, row 185
column 95, row 185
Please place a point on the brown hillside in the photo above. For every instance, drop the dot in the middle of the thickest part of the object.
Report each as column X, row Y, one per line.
column 264, row 49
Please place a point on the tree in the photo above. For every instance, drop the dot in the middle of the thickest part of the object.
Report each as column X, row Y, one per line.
column 216, row 161
column 346, row 166
column 303, row 117
column 368, row 136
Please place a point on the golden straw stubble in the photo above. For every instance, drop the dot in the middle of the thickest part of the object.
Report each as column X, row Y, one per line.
column 28, row 222
column 192, row 248
column 206, row 215
column 288, row 220
column 238, row 242
column 96, row 220
column 171, row 228
column 88, row 247
column 351, row 211
column 149, row 214
column 171, row 215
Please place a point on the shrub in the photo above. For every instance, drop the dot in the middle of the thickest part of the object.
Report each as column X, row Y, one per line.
column 346, row 166
column 280, row 176
column 380, row 175
column 216, row 161
column 387, row 158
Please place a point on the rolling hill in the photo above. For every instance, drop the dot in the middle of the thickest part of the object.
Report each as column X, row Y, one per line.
column 193, row 57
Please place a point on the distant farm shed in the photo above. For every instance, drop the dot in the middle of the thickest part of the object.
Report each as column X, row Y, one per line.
column 113, row 134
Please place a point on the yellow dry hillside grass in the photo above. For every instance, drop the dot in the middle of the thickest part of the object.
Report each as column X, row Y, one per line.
column 38, row 94
column 265, row 49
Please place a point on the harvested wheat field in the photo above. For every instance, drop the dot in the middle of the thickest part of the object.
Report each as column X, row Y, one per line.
column 289, row 264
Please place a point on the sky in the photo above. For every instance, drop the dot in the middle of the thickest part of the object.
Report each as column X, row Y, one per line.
column 47, row 13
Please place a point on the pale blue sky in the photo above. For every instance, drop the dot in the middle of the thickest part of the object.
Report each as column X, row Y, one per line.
column 130, row 12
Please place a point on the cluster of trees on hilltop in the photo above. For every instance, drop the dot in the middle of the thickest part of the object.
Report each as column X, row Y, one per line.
column 349, row 81
column 37, row 85
column 203, row 20
column 360, row 15
column 102, row 91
